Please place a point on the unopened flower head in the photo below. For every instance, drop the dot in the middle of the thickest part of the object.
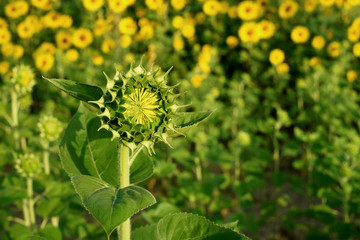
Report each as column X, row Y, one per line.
column 137, row 106
column 28, row 165
column 50, row 128
column 23, row 79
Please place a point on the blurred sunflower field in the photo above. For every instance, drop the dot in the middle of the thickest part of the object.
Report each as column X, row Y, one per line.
column 278, row 159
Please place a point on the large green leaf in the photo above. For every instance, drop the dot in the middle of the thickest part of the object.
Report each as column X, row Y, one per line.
column 109, row 205
column 86, row 151
column 141, row 169
column 187, row 120
column 81, row 91
column 186, row 226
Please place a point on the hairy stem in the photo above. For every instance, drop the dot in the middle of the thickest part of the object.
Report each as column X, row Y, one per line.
column 124, row 229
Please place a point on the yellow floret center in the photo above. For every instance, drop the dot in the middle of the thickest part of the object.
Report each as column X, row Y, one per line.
column 141, row 106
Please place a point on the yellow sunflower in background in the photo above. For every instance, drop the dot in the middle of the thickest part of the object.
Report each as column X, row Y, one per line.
column 44, row 62
column 82, row 38
column 310, row 5
column 288, row 9
column 249, row 32
column 127, row 26
column 41, row 4
column 154, row 4
column 125, row 41
column 334, row 49
column 276, row 56
column 232, row 41
column 63, row 39
column 327, row 3
column 16, row 9
column 5, row 36
column 72, row 55
column 4, row 67
column 248, row 10
column 24, row 30
column 356, row 49
column 282, row 68
column 178, row 43
column 318, row 42
column 92, row 5
column 351, row 75
column 300, row 34
column 266, row 29
column 18, row 51
column 117, row 6
column 178, row 4
column 211, row 7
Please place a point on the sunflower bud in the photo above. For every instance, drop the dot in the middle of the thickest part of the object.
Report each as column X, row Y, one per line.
column 50, row 128
column 23, row 79
column 28, row 165
column 137, row 106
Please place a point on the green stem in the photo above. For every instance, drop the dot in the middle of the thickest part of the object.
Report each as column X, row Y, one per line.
column 124, row 229
column 25, row 207
column 15, row 118
column 237, row 171
column 276, row 154
column 29, row 184
column 198, row 169
column 46, row 158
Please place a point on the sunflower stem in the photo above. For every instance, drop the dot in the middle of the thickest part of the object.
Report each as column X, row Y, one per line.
column 15, row 118
column 29, row 184
column 124, row 230
column 46, row 158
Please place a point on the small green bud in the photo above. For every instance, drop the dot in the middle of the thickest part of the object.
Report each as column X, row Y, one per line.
column 244, row 138
column 23, row 79
column 28, row 165
column 50, row 128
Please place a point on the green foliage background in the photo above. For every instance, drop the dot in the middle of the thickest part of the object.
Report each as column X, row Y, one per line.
column 279, row 158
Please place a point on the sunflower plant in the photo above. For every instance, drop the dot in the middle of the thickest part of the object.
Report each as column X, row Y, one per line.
column 102, row 151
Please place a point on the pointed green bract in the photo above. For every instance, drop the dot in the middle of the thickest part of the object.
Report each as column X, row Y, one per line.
column 111, row 206
column 180, row 226
column 81, row 91
column 184, row 121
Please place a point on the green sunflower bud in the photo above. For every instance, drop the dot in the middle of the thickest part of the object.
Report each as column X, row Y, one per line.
column 23, row 79
column 137, row 106
column 50, row 128
column 28, row 165
column 244, row 138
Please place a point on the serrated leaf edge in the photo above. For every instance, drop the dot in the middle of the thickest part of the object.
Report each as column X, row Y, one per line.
column 109, row 185
column 192, row 214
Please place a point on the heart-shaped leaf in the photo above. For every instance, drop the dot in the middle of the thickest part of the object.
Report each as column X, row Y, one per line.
column 81, row 91
column 187, row 120
column 181, row 226
column 109, row 205
column 86, row 151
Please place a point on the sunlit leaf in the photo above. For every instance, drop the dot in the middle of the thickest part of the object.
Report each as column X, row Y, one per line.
column 109, row 205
